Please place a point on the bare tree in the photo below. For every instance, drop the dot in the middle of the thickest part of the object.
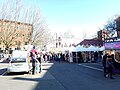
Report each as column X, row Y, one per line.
column 68, row 34
column 15, row 11
column 9, row 17
column 111, row 26
column 41, row 35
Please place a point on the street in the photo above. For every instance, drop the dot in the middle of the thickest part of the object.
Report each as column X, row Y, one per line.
column 60, row 76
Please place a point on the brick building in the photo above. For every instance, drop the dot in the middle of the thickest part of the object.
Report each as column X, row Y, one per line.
column 102, row 34
column 14, row 35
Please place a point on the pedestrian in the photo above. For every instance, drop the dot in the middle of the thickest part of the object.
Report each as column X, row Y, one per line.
column 37, row 64
column 95, row 56
column 59, row 57
column 39, row 59
column 109, row 66
column 37, row 67
column 33, row 59
column 46, row 58
column 104, row 63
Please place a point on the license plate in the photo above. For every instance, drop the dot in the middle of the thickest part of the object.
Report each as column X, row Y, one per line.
column 18, row 64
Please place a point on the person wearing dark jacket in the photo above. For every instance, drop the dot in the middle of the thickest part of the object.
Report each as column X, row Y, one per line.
column 109, row 66
column 104, row 63
column 95, row 56
column 32, row 55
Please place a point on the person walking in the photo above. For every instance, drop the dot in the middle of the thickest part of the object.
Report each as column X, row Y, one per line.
column 39, row 59
column 104, row 63
column 37, row 64
column 59, row 57
column 95, row 56
column 32, row 55
column 109, row 66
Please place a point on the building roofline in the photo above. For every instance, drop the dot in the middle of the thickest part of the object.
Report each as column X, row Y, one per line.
column 15, row 21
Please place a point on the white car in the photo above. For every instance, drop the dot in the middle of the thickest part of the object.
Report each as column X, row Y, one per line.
column 19, row 62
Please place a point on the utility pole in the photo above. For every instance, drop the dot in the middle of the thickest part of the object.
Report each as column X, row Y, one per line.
column 56, row 41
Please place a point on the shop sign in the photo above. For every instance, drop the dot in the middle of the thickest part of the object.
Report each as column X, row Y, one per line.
column 112, row 45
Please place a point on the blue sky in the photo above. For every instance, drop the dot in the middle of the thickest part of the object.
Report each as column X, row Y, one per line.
column 78, row 16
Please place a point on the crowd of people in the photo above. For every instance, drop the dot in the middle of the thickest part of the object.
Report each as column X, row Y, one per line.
column 37, row 59
column 86, row 57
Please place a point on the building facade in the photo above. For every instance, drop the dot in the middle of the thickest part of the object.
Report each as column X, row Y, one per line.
column 14, row 35
column 103, row 34
column 118, row 26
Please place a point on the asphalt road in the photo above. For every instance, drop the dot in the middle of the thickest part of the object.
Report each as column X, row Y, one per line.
column 61, row 76
column 86, row 76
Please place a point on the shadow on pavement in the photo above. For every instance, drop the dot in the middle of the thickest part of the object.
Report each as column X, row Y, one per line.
column 2, row 71
column 4, row 60
column 68, row 76
column 45, row 80
column 15, row 73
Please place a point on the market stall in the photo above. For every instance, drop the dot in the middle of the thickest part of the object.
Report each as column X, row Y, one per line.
column 86, row 54
column 88, row 51
column 114, row 48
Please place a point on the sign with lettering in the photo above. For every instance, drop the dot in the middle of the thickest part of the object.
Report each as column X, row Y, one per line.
column 112, row 45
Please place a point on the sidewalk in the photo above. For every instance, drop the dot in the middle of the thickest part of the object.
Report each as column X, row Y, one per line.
column 46, row 81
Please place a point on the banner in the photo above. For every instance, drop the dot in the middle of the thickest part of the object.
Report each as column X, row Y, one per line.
column 112, row 45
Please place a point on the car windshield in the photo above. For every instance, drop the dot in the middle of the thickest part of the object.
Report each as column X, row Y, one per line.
column 17, row 60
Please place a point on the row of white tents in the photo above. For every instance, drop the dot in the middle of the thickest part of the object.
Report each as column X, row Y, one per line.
column 80, row 48
column 83, row 49
column 90, row 48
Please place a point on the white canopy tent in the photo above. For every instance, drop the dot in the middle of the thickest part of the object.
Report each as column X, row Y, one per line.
column 102, row 48
column 91, row 48
column 79, row 48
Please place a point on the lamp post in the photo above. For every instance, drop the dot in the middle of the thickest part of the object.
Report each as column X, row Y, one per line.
column 56, row 41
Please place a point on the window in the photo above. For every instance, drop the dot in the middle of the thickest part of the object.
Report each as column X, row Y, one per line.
column 19, row 43
column 15, row 42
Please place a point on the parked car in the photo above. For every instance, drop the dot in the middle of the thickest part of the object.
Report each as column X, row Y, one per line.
column 19, row 62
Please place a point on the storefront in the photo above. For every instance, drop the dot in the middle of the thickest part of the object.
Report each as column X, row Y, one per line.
column 89, row 50
column 114, row 48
